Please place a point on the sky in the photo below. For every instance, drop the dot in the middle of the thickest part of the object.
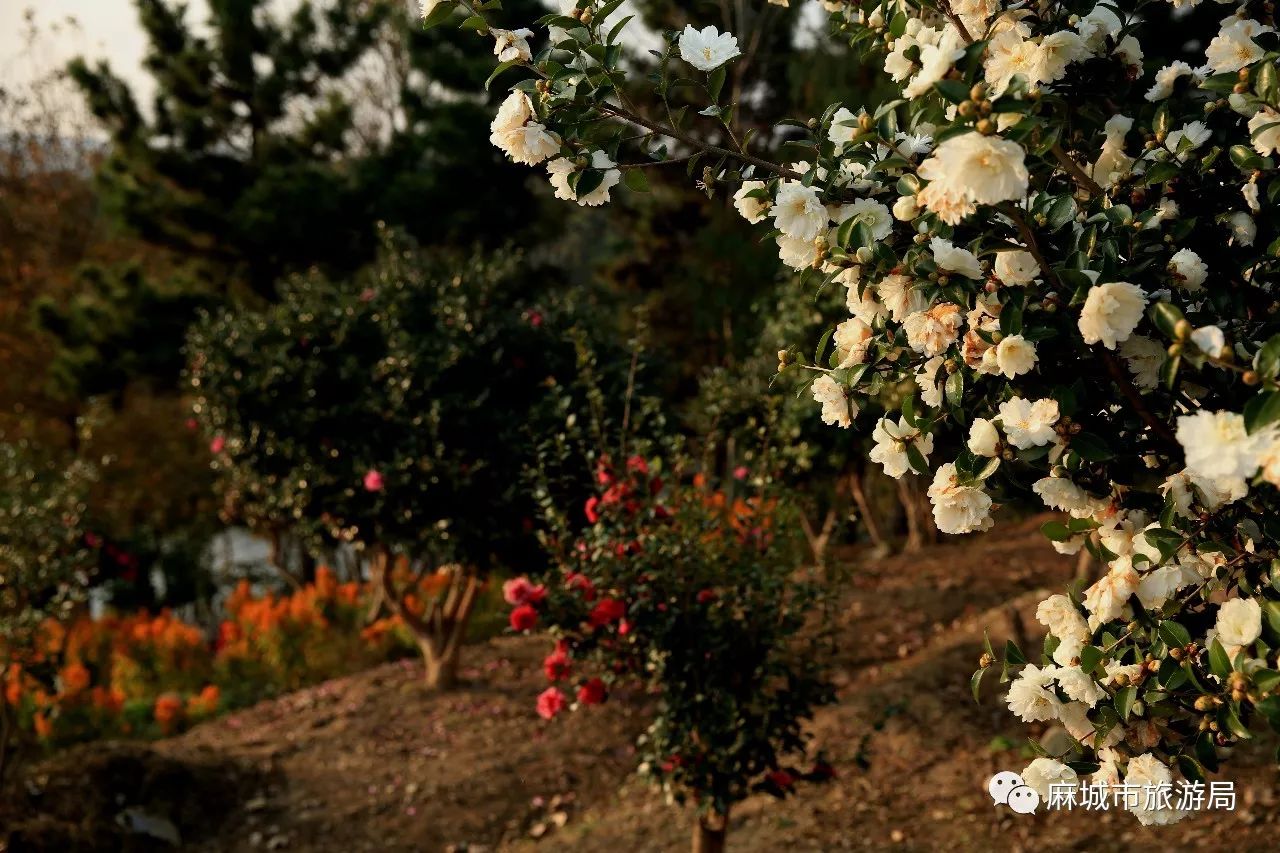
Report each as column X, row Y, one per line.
column 108, row 29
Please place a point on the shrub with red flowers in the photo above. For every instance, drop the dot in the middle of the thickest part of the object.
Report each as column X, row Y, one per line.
column 666, row 585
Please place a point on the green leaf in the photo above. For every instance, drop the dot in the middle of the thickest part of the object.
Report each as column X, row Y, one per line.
column 1166, row 316
column 1090, row 657
column 1173, row 634
column 1056, row 531
column 1062, row 211
column 822, row 346
column 715, row 83
column 1267, row 361
column 954, row 388
column 502, row 66
column 975, row 684
column 438, row 15
column 1091, row 447
column 635, row 180
column 1124, row 701
column 1013, row 654
column 1219, row 663
column 475, row 22
column 1261, row 411
column 955, row 91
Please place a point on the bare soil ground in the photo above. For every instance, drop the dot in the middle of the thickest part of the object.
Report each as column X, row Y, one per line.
column 373, row 762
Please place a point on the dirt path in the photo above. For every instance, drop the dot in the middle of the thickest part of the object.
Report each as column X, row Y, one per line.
column 372, row 762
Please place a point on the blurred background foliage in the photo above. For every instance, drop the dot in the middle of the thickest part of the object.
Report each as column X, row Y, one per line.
column 285, row 140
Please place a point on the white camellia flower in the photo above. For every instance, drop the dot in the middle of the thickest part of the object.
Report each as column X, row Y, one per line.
column 958, row 508
column 1187, row 139
column 1111, row 312
column 751, row 208
column 1015, row 355
column 1060, row 616
column 561, row 168
column 1189, row 272
column 1162, row 584
column 1016, row 267
column 863, row 305
column 796, row 253
column 892, row 440
column 869, row 212
column 1243, row 229
column 929, row 379
column 1031, row 696
column 707, row 49
column 514, row 132
column 843, row 125
column 905, row 208
column 426, row 7
column 931, row 332
column 954, row 259
column 1166, row 78
column 1044, row 772
column 1146, row 771
column 1264, row 130
column 1028, row 424
column 512, row 45
column 1210, row 340
column 978, row 169
column 1080, row 686
column 1234, row 47
column 1239, row 622
column 936, row 61
column 837, row 408
column 798, row 212
column 1187, row 491
column 852, row 338
column 1219, row 448
column 984, row 438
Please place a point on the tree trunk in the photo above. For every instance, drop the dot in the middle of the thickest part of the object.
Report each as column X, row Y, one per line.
column 441, row 667
column 709, row 833
column 1084, row 567
column 865, row 511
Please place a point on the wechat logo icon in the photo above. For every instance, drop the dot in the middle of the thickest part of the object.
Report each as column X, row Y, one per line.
column 1008, row 789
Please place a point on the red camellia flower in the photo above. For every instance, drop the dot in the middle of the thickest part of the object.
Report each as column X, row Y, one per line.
column 580, row 583
column 218, row 444
column 706, row 596
column 524, row 617
column 521, row 591
column 606, row 611
column 781, row 778
column 591, row 692
column 373, row 481
column 591, row 509
column 638, row 465
column 556, row 664
column 550, row 703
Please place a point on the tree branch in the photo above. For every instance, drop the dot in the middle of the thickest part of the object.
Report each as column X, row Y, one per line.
column 1073, row 168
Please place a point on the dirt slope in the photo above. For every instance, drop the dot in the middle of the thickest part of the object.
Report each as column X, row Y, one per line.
column 372, row 762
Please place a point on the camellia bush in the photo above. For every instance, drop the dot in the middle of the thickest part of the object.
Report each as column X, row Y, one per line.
column 45, row 566
column 663, row 583
column 1061, row 232
column 350, row 413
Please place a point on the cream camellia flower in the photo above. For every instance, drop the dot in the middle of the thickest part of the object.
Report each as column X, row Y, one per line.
column 980, row 169
column 1015, row 355
column 1234, row 47
column 852, row 338
column 843, row 125
column 906, row 208
column 951, row 258
column 1063, row 621
column 1062, row 494
column 1189, row 272
column 1144, row 357
column 892, row 440
column 1219, row 448
column 936, row 61
column 796, row 253
column 862, row 303
column 426, row 7
column 984, row 438
column 1108, row 598
column 512, row 45
column 798, row 212
column 514, row 132
column 1029, row 424
column 751, row 208
column 1166, row 78
column 562, row 168
column 1145, row 772
column 929, row 378
column 1239, row 622
column 931, row 332
column 1243, row 229
column 1111, row 312
column 837, row 408
column 1031, row 696
column 707, row 49
column 1209, row 339
column 900, row 297
column 1044, row 772
column 1016, row 267
column 958, row 508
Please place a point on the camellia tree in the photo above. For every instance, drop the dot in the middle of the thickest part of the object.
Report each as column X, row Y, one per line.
column 350, row 412
column 1062, row 231
column 45, row 565
column 665, row 583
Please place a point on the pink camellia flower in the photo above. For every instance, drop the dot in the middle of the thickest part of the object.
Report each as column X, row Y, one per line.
column 373, row 481
column 191, row 424
column 521, row 591
column 591, row 509
column 550, row 702
column 218, row 444
column 523, row 618
column 607, row 610
column 741, row 472
column 367, row 294
column 556, row 665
